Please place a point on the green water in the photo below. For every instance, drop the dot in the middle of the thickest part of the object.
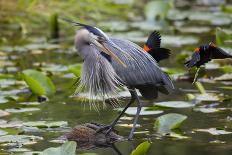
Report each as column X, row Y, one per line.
column 61, row 107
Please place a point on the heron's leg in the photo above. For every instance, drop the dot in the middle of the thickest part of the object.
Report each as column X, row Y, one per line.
column 136, row 116
column 114, row 122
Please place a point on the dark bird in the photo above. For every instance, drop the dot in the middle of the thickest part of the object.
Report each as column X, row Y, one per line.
column 110, row 63
column 152, row 46
column 205, row 53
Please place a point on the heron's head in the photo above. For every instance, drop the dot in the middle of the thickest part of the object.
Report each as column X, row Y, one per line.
column 93, row 37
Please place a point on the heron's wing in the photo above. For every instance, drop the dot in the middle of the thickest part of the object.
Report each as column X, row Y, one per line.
column 141, row 68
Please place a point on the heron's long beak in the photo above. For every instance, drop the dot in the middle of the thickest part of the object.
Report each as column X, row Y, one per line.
column 107, row 51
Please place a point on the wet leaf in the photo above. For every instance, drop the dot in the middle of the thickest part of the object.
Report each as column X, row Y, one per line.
column 75, row 69
column 212, row 18
column 176, row 136
column 141, row 149
column 3, row 113
column 222, row 36
column 226, row 87
column 68, row 148
column 20, row 110
column 207, row 97
column 209, row 110
column 3, row 133
column 224, row 77
column 144, row 111
column 168, row 122
column 174, row 104
column 214, row 131
column 88, row 154
column 21, row 139
column 45, row 124
column 178, row 41
column 19, row 150
column 10, row 124
column 3, row 99
column 159, row 8
column 30, row 103
column 38, row 82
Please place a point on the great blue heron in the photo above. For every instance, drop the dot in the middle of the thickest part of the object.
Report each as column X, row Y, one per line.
column 110, row 63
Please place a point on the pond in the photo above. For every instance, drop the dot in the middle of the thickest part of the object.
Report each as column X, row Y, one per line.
column 184, row 26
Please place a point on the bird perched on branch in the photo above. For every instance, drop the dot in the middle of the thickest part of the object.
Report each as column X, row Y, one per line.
column 110, row 63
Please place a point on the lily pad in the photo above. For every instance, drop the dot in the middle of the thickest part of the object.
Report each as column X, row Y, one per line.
column 3, row 113
column 3, row 133
column 158, row 8
column 214, row 131
column 209, row 110
column 75, row 69
column 46, row 124
column 30, row 103
column 39, row 83
column 224, row 77
column 168, row 122
column 176, row 135
column 20, row 110
column 141, row 149
column 10, row 124
column 68, row 148
column 179, row 40
column 144, row 111
column 20, row 139
column 207, row 97
column 174, row 104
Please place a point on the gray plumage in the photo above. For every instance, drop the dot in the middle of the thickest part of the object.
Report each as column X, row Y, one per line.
column 110, row 63
column 102, row 77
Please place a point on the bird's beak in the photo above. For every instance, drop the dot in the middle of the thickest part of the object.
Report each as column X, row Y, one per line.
column 106, row 50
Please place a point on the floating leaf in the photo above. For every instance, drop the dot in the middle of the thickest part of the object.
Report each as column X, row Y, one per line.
column 214, row 131
column 75, row 69
column 3, row 113
column 141, row 149
column 88, row 154
column 68, row 148
column 38, row 82
column 158, row 8
column 45, row 124
column 3, row 132
column 144, row 111
column 224, row 77
column 209, row 110
column 30, row 103
column 10, row 124
column 19, row 110
column 174, row 104
column 222, row 36
column 207, row 97
column 179, row 40
column 176, row 136
column 168, row 122
column 21, row 139
column 226, row 87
